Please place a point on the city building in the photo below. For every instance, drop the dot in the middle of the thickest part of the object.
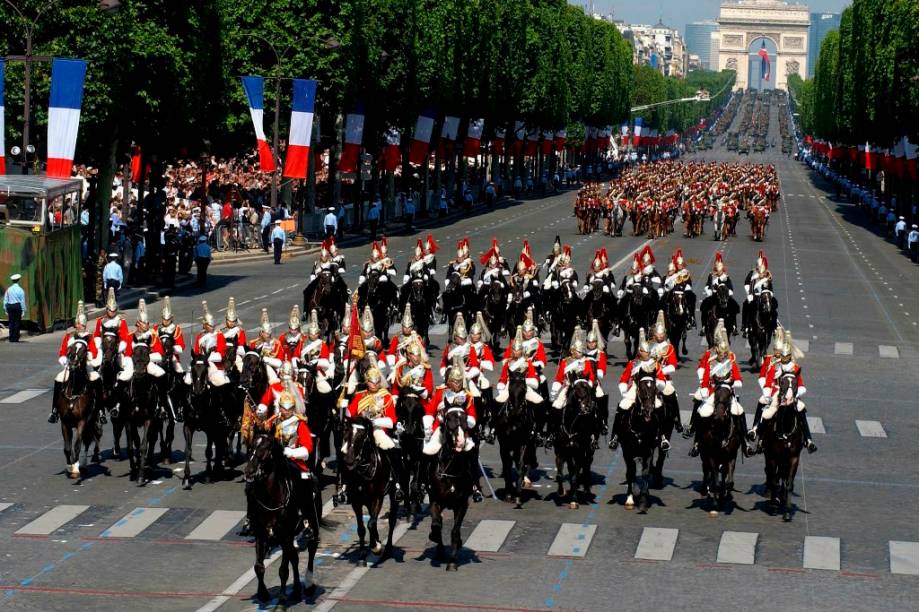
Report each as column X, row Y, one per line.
column 747, row 27
column 821, row 24
column 658, row 46
column 715, row 50
column 699, row 41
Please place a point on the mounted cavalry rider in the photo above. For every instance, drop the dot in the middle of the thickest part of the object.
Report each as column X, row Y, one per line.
column 454, row 395
column 462, row 264
column 168, row 329
column 286, row 383
column 112, row 323
column 787, row 366
column 292, row 431
column 479, row 337
column 315, row 354
column 143, row 335
column 494, row 266
column 377, row 404
column 213, row 346
column 268, row 348
column 420, row 267
column 643, row 365
column 662, row 350
column 758, row 280
column 600, row 270
column 378, row 262
column 516, row 362
column 717, row 277
column 562, row 272
column 374, row 354
column 292, row 340
column 650, row 277
column 770, row 361
column 595, row 352
column 398, row 344
column 632, row 277
column 412, row 372
column 571, row 369
column 526, row 274
column 79, row 335
column 430, row 254
column 234, row 336
column 719, row 370
column 462, row 349
column 533, row 349
column 679, row 279
column 552, row 258
column 330, row 260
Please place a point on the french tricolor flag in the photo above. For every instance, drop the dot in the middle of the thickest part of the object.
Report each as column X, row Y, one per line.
column 301, row 129
column 354, row 135
column 255, row 94
column 448, row 134
column 422, row 138
column 473, row 137
column 636, row 133
column 548, row 138
column 561, row 137
column 392, row 152
column 2, row 126
column 64, row 114
column 497, row 145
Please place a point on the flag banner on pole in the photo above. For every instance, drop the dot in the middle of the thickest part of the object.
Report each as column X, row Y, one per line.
column 254, row 87
column 473, row 141
column 912, row 152
column 497, row 145
column 392, row 153
column 636, row 133
column 869, row 157
column 561, row 137
column 765, row 64
column 532, row 143
column 301, row 129
column 519, row 135
column 67, row 78
column 136, row 168
column 448, row 133
column 2, row 126
column 354, row 133
column 548, row 139
column 421, row 140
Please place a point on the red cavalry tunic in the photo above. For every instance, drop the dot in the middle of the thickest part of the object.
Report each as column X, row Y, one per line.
column 74, row 336
column 435, row 408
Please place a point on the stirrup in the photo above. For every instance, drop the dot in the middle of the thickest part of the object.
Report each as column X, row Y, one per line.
column 665, row 444
column 614, row 443
column 694, row 451
column 810, row 446
column 477, row 495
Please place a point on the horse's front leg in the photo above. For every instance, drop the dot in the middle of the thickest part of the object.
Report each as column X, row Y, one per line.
column 789, row 488
column 261, row 548
column 456, row 540
column 437, row 524
column 189, row 433
column 645, row 480
column 559, row 474
column 361, row 532
column 374, row 510
column 67, row 434
column 145, row 448
column 630, row 472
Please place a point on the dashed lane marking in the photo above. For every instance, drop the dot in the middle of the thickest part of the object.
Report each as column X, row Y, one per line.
column 904, row 558
column 888, row 352
column 657, row 544
column 870, row 429
column 572, row 540
column 737, row 547
column 821, row 553
column 22, row 396
column 489, row 535
column 52, row 520
column 843, row 348
column 134, row 522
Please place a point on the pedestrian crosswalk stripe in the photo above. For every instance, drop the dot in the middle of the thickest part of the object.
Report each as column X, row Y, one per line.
column 22, row 396
column 489, row 535
column 217, row 525
column 821, row 553
column 572, row 540
column 4, row 506
column 52, row 520
column 904, row 558
column 816, row 425
column 888, row 352
column 657, row 544
column 843, row 348
column 737, row 547
column 871, row 429
column 134, row 522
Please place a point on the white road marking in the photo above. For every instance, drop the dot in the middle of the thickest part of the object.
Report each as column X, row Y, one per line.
column 489, row 535
column 888, row 352
column 904, row 558
column 843, row 348
column 217, row 525
column 821, row 553
column 278, row 291
column 5, row 505
column 737, row 547
column 133, row 523
column 52, row 520
column 572, row 540
column 657, row 544
column 871, row 429
column 23, row 396
column 816, row 425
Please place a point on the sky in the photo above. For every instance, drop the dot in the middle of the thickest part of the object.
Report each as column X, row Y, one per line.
column 677, row 13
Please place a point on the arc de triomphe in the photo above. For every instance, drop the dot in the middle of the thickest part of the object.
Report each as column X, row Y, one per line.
column 743, row 26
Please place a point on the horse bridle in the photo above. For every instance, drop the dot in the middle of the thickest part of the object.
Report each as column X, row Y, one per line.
column 362, row 468
column 260, row 476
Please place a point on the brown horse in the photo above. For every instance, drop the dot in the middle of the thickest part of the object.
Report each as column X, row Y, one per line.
column 76, row 404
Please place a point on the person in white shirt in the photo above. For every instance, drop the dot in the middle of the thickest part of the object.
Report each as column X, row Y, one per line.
column 330, row 222
column 912, row 242
column 899, row 232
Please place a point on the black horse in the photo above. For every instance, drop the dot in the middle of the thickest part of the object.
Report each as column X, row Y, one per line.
column 678, row 316
column 458, row 298
column 635, row 312
column 203, row 413
column 493, row 299
column 518, row 306
column 253, row 382
column 138, row 410
column 367, row 474
column 319, row 407
column 112, row 388
column 415, row 292
column 721, row 439
column 574, row 440
column 565, row 311
column 327, row 295
column 762, row 326
column 640, row 435
column 273, row 515
column 720, row 305
column 783, row 440
column 513, row 423
column 450, row 484
column 600, row 306
column 381, row 295
column 409, row 413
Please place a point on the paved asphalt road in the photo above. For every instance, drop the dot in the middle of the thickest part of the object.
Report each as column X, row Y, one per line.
column 850, row 299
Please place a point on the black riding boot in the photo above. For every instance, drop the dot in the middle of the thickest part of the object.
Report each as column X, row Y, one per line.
column 693, row 419
column 740, row 421
column 697, row 430
column 805, row 427
column 55, row 395
column 162, row 410
column 553, row 422
column 395, row 472
column 603, row 409
column 753, row 434
column 674, row 407
column 617, row 423
column 475, row 473
column 745, row 317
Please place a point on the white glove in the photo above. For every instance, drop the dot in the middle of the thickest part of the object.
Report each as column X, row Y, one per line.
column 296, row 453
column 62, row 360
column 400, row 428
column 749, row 297
column 261, row 410
column 526, row 294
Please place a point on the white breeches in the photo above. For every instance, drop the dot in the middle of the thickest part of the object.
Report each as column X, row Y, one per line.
column 65, row 374
column 216, row 376
column 380, row 438
column 155, row 370
column 773, row 408
column 628, row 399
column 434, row 444
column 707, row 409
column 177, row 365
column 532, row 396
column 272, row 375
column 561, row 398
column 127, row 369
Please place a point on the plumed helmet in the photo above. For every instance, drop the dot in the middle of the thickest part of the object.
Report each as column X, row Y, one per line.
column 111, row 304
column 407, row 321
column 367, row 321
column 287, row 370
column 517, row 344
column 419, row 249
column 166, row 315
column 660, row 326
column 480, row 327
column 294, row 322
column 528, row 322
column 414, row 346
column 430, row 245
column 720, row 336
column 232, row 317
column 457, row 371
column 80, row 319
column 206, row 317
column 647, row 256
column 312, row 327
column 373, row 375
column 286, row 401
column 718, row 266
column 594, row 335
column 636, row 264
column 557, row 245
column 346, row 320
column 577, row 341
column 265, row 324
column 643, row 345
column 142, row 312
column 789, row 349
column 384, row 246
column 459, row 327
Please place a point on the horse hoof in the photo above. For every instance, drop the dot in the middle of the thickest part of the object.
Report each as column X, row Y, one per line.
column 787, row 517
column 573, row 505
column 362, row 563
column 186, row 484
column 451, row 567
column 713, row 513
column 96, row 458
column 263, row 595
column 309, row 591
column 73, row 475
column 376, row 548
column 630, row 502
